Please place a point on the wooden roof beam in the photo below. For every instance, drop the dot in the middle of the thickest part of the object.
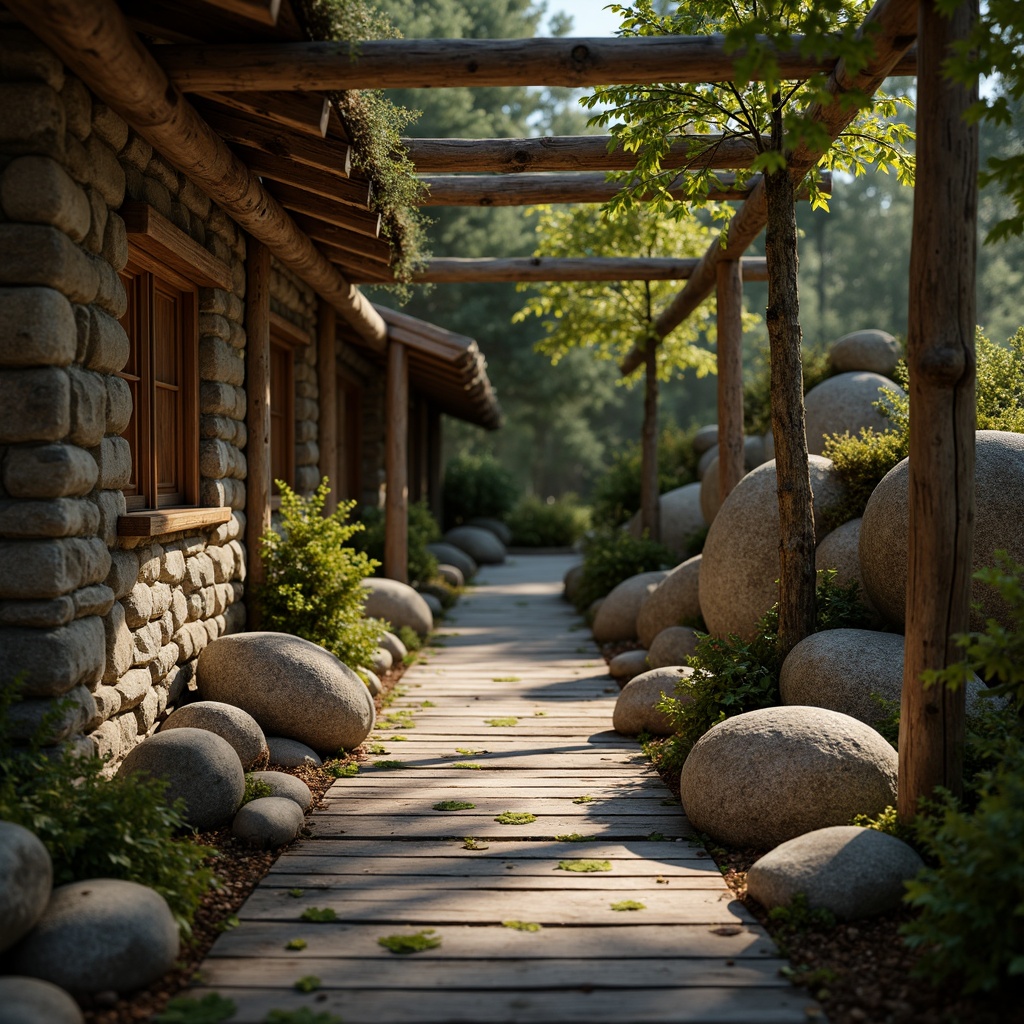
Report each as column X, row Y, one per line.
column 93, row 38
column 450, row 63
column 354, row 192
column 302, row 112
column 263, row 11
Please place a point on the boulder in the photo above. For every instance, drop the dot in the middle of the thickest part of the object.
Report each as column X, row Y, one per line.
column 998, row 524
column 381, row 661
column 32, row 1001
column 627, row 665
column 673, row 602
column 398, row 604
column 268, row 822
column 705, row 438
column 740, row 561
column 99, row 935
column 710, row 499
column 495, row 526
column 26, row 878
column 616, row 618
column 845, row 404
column 394, row 646
column 680, row 518
column 291, row 753
column 451, row 574
column 852, row 872
column 672, row 646
column 872, row 351
column 571, row 583
column 840, row 550
column 451, row 555
column 636, row 707
column 481, row 545
column 371, row 680
column 760, row 778
column 290, row 686
column 200, row 767
column 433, row 602
column 841, row 669
column 284, row 785
column 238, row 727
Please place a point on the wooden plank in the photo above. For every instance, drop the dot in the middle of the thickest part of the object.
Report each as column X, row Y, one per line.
column 316, row 883
column 354, row 192
column 157, row 522
column 352, row 219
column 396, row 497
column 634, row 850
column 289, row 865
column 392, row 806
column 263, row 11
column 301, row 112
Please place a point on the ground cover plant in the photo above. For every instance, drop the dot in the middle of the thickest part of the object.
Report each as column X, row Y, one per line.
column 611, row 556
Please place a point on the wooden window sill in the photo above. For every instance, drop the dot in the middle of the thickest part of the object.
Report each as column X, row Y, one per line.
column 155, row 522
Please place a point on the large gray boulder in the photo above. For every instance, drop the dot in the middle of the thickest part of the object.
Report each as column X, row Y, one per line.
column 766, row 776
column 268, row 822
column 481, row 545
column 451, row 574
column 705, row 438
column 627, row 665
column 740, row 561
column 26, row 878
column 841, row 669
column 200, row 767
column 238, row 727
column 99, row 935
column 852, row 872
column 33, row 1001
column 285, row 785
column 496, row 526
column 290, row 686
column 998, row 524
column 398, row 604
column 616, row 618
column 636, row 707
column 673, row 602
column 291, row 753
column 871, row 350
column 680, row 518
column 710, row 499
column 846, row 404
column 840, row 550
column 672, row 646
column 451, row 555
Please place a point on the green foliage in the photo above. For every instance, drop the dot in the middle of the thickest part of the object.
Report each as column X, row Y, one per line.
column 574, row 837
column 515, row 818
column 501, row 723
column 337, row 770
column 628, row 905
column 1000, row 383
column 255, row 788
column 555, row 523
column 522, row 926
column 296, row 944
column 586, row 798
column 611, row 556
column 313, row 578
column 409, row 637
column 418, row 942
column 453, row 805
column 757, row 403
column 477, row 486
column 584, row 866
column 886, row 821
column 389, row 766
column 318, row 915
column 308, row 983
column 468, row 765
column 423, row 530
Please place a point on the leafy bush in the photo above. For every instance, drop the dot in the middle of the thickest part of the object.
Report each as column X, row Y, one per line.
column 1000, row 383
column 548, row 524
column 409, row 637
column 423, row 530
column 477, row 485
column 757, row 403
column 313, row 576
column 611, row 556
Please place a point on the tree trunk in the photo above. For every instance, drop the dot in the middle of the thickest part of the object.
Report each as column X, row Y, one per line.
column 796, row 521
column 730, row 377
column 650, row 520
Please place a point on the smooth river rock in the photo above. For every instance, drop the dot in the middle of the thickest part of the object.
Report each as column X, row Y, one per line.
column 672, row 646
column 238, row 727
column 451, row 555
column 26, row 878
column 680, row 519
column 481, row 545
column 871, row 350
column 846, row 404
column 673, row 602
column 616, row 618
column 398, row 604
column 268, row 822
column 283, row 784
column 33, row 1001
column 636, row 707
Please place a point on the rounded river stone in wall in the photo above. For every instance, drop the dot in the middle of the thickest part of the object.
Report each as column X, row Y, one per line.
column 679, row 516
column 672, row 646
column 627, row 665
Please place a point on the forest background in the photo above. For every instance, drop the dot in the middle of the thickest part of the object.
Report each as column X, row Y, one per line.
column 565, row 423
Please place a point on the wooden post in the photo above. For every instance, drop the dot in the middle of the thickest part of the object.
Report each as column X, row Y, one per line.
column 327, row 383
column 257, row 417
column 730, row 376
column 435, row 437
column 650, row 518
column 941, row 360
column 396, row 499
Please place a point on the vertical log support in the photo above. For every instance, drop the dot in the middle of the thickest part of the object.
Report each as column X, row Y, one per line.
column 941, row 359
column 257, row 417
column 396, row 499
column 434, row 440
column 650, row 518
column 730, row 376
column 327, row 378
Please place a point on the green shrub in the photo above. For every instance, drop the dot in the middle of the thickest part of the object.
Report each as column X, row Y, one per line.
column 409, row 637
column 548, row 524
column 423, row 530
column 1000, row 383
column 313, row 575
column 611, row 556
column 477, row 485
column 757, row 405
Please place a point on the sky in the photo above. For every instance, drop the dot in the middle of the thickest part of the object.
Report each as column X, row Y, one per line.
column 589, row 18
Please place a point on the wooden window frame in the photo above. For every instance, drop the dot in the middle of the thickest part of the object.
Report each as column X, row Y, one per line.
column 286, row 338
column 349, row 470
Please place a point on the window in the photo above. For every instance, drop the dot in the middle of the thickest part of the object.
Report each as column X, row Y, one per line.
column 282, row 413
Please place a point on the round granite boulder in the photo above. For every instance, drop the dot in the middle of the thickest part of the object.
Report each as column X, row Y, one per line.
column 238, row 727
column 381, row 661
column 616, row 618
column 268, row 822
column 740, row 562
column 760, row 778
column 394, row 646
column 672, row 646
column 290, row 686
column 449, row 554
column 998, row 525
column 627, row 665
column 451, row 574
column 673, row 602
column 434, row 604
column 481, row 545
column 291, row 753
column 850, row 871
column 26, row 878
column 371, row 681
column 871, row 350
column 496, row 526
column 636, row 707
column 200, row 767
column 33, row 1001
column 840, row 550
column 285, row 785
column 99, row 935
column 846, row 404
column 398, row 604
column 571, row 583
column 705, row 438
column 680, row 519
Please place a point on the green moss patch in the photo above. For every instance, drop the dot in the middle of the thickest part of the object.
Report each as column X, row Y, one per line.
column 467, row 764
column 318, row 915
column 296, row 944
column 501, row 723
column 309, row 983
column 584, row 866
column 415, row 943
column 522, row 926
column 454, row 805
column 628, row 905
column 515, row 818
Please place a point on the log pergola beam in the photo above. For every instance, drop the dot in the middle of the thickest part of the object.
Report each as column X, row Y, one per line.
column 95, row 41
column 458, row 63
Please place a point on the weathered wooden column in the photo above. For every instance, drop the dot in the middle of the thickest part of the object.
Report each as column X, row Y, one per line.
column 327, row 383
column 941, row 359
column 396, row 466
column 257, row 417
column 434, row 442
column 650, row 499
column 730, row 376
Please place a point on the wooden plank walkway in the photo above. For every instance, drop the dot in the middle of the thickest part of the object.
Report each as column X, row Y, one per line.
column 511, row 712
